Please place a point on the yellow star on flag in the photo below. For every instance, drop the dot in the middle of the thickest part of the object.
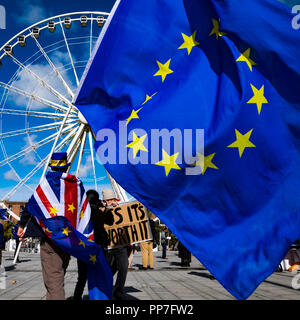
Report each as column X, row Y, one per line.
column 134, row 115
column 205, row 162
column 66, row 231
column 71, row 207
column 81, row 243
column 242, row 141
column 216, row 29
column 90, row 240
column 149, row 98
column 164, row 70
column 169, row 162
column 189, row 42
column 81, row 214
column 137, row 144
column 53, row 212
column 258, row 97
column 47, row 230
column 93, row 259
column 245, row 57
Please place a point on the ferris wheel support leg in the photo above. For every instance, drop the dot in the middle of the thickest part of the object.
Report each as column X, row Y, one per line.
column 75, row 145
column 81, row 153
column 93, row 159
column 119, row 191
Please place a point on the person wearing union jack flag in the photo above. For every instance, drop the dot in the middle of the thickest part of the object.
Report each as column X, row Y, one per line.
column 54, row 260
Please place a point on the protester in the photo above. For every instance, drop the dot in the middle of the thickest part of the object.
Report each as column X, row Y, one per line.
column 130, row 252
column 147, row 249
column 185, row 255
column 164, row 243
column 99, row 216
column 116, row 257
column 54, row 260
column 1, row 241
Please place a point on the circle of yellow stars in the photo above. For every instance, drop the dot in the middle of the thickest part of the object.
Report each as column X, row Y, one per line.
column 164, row 70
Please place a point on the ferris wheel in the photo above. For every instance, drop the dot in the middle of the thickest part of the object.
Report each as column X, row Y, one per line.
column 40, row 70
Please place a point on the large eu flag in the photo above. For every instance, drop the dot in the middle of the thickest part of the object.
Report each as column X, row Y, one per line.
column 232, row 69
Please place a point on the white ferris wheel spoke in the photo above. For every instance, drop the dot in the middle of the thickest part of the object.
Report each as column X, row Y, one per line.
column 43, row 101
column 91, row 35
column 56, row 140
column 35, row 146
column 58, row 95
column 75, row 144
column 44, row 127
column 71, row 94
column 31, row 113
column 38, row 166
column 69, row 52
column 92, row 155
column 81, row 153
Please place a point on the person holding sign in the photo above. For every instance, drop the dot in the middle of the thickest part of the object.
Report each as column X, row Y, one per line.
column 117, row 257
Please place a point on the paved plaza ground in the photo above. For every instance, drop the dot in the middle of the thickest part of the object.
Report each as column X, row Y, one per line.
column 168, row 281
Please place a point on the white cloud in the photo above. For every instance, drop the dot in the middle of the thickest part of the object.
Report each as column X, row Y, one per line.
column 10, row 175
column 22, row 194
column 28, row 83
column 86, row 169
column 29, row 158
column 31, row 12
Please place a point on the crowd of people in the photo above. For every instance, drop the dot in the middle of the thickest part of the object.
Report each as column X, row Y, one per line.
column 55, row 261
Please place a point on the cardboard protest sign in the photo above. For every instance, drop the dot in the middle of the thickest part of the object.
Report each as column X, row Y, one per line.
column 131, row 225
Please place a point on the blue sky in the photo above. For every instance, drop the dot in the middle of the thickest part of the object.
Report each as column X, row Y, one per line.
column 20, row 15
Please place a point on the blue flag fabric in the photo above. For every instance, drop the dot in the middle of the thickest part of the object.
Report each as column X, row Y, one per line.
column 61, row 207
column 231, row 69
column 14, row 231
column 3, row 215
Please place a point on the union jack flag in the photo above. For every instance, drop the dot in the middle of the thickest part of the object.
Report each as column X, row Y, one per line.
column 62, row 194
column 61, row 207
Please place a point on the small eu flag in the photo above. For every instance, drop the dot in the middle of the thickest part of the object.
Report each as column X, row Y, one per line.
column 232, row 70
column 3, row 215
column 14, row 231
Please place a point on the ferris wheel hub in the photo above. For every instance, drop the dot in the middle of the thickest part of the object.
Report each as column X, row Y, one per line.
column 81, row 118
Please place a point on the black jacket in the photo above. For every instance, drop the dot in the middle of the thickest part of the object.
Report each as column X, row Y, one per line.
column 99, row 218
column 34, row 230
column 153, row 231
